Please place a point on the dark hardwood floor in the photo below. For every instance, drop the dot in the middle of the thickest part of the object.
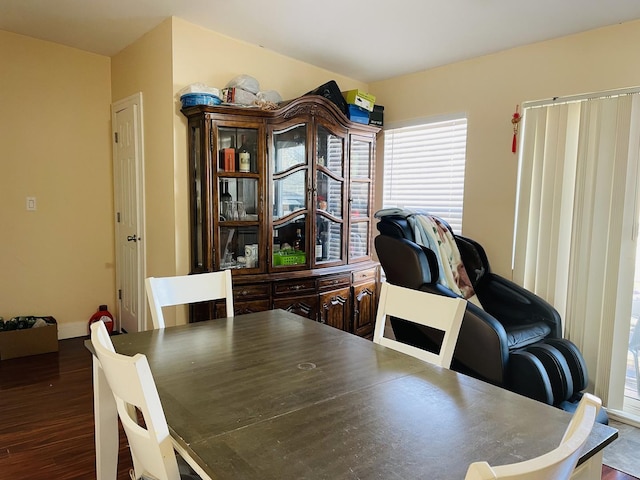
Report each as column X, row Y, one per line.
column 46, row 418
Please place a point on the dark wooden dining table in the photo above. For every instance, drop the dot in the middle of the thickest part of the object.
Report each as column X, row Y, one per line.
column 273, row 395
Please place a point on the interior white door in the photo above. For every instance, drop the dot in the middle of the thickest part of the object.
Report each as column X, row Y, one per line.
column 129, row 208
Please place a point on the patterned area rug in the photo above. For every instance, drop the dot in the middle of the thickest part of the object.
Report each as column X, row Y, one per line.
column 624, row 453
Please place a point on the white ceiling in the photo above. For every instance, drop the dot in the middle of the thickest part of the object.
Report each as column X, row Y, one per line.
column 367, row 40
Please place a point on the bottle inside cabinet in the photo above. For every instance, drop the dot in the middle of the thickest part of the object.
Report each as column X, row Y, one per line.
column 237, row 149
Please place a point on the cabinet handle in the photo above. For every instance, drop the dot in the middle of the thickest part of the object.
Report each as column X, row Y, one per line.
column 244, row 292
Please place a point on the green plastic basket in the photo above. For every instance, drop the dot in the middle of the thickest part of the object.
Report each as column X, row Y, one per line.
column 289, row 257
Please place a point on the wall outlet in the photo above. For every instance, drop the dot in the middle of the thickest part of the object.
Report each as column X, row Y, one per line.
column 31, row 204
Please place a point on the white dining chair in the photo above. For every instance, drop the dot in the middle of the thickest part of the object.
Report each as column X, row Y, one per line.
column 185, row 289
column 436, row 311
column 134, row 390
column 557, row 464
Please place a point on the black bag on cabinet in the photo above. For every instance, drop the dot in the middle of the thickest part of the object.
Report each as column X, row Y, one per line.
column 331, row 91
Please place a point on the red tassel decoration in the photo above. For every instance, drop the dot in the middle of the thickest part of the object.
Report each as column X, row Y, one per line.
column 515, row 120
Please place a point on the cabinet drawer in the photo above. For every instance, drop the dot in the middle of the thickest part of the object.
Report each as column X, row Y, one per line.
column 363, row 275
column 250, row 292
column 329, row 283
column 242, row 308
column 294, row 287
column 304, row 305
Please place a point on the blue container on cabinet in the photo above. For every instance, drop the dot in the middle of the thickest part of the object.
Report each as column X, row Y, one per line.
column 358, row 114
column 192, row 99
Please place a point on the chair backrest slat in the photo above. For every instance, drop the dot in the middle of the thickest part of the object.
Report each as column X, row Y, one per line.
column 436, row 311
column 185, row 289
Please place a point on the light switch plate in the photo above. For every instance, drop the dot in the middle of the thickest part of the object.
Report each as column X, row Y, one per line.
column 31, row 204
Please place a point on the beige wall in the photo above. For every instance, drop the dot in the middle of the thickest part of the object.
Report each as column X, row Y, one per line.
column 145, row 66
column 55, row 146
column 487, row 89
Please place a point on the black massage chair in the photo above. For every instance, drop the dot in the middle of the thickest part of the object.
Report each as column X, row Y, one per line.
column 513, row 341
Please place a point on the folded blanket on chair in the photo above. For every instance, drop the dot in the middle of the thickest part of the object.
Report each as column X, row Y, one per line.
column 452, row 272
column 430, row 232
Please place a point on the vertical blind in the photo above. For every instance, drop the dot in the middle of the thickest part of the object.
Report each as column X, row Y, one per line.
column 424, row 168
column 577, row 218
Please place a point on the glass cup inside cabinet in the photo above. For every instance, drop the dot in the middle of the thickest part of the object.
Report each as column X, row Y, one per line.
column 238, row 199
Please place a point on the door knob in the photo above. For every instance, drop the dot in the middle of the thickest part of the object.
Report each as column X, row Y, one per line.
column 132, row 238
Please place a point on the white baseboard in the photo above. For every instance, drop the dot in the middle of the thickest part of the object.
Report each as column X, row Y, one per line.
column 72, row 330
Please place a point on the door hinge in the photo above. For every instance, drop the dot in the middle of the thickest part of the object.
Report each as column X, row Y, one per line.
column 118, row 217
column 115, row 134
column 119, row 294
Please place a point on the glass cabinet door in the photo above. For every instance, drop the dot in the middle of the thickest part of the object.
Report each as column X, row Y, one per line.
column 238, row 199
column 360, row 201
column 329, row 196
column 198, row 200
column 290, row 207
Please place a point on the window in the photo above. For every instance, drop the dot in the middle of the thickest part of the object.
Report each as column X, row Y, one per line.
column 424, row 168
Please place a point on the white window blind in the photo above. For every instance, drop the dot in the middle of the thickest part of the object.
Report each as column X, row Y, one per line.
column 424, row 168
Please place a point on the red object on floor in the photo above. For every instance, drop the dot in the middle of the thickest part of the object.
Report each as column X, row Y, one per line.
column 102, row 315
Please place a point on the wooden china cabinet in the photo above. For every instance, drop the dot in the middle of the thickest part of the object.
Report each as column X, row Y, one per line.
column 284, row 199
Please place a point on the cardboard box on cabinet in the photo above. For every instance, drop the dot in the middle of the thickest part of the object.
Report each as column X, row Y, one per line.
column 361, row 99
column 377, row 116
column 358, row 114
column 29, row 341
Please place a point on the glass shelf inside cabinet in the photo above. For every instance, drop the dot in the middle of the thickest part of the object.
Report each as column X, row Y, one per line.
column 238, row 150
column 238, row 199
column 239, row 247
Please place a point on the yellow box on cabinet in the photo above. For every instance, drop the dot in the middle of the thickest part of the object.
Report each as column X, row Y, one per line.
column 360, row 98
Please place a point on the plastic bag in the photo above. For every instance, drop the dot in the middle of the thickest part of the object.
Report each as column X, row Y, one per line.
column 245, row 82
column 269, row 96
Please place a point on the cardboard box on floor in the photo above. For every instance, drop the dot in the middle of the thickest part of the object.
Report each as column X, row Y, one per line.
column 30, row 341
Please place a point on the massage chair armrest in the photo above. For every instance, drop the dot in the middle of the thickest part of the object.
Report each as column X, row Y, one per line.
column 482, row 347
column 503, row 299
column 513, row 305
